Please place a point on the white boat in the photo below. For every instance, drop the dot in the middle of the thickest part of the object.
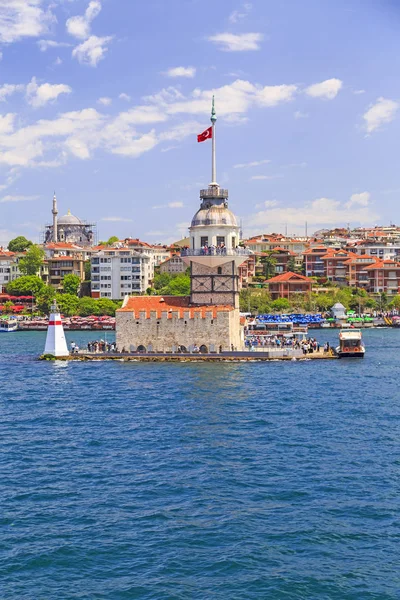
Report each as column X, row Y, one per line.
column 8, row 325
column 350, row 344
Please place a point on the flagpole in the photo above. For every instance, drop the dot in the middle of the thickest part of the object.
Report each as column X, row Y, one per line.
column 214, row 161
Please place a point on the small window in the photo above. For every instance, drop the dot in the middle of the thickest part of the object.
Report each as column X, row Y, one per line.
column 219, row 270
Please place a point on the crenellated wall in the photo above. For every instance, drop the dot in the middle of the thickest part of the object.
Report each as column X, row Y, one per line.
column 166, row 332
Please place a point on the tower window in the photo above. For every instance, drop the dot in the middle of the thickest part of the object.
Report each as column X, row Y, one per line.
column 219, row 270
column 220, row 240
column 204, row 241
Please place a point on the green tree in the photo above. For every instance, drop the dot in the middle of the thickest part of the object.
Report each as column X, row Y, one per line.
column 255, row 301
column 105, row 306
column 110, row 241
column 68, row 304
column 71, row 284
column 88, row 306
column 269, row 264
column 291, row 265
column 161, row 281
column 19, row 244
column 178, row 286
column 25, row 286
column 45, row 299
column 8, row 306
column 88, row 271
column 280, row 305
column 32, row 261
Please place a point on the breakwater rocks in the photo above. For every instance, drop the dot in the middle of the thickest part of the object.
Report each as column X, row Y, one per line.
column 205, row 358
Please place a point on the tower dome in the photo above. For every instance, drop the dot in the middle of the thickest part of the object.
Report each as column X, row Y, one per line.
column 217, row 215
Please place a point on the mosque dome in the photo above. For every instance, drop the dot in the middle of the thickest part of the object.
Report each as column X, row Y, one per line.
column 214, row 215
column 69, row 219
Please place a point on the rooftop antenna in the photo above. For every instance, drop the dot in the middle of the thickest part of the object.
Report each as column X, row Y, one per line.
column 241, row 229
column 306, row 229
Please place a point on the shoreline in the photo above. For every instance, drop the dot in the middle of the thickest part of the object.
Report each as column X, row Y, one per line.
column 215, row 358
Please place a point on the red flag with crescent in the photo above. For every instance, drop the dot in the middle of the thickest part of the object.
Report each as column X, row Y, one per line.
column 206, row 135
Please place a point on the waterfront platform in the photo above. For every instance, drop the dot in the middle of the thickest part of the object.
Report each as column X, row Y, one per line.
column 259, row 356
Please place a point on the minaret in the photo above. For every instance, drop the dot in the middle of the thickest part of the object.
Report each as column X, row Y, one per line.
column 214, row 255
column 55, row 224
column 56, row 344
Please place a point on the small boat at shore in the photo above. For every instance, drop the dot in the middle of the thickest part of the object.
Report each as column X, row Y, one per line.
column 8, row 325
column 350, row 344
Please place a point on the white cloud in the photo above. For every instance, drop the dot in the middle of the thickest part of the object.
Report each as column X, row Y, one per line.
column 8, row 89
column 268, row 204
column 17, row 198
column 104, row 101
column 265, row 177
column 46, row 44
column 322, row 212
column 328, row 89
column 300, row 115
column 254, row 163
column 124, row 97
column 358, row 92
column 58, row 61
column 361, row 199
column 380, row 113
column 79, row 26
column 181, row 72
column 39, row 95
column 237, row 42
column 23, row 18
column 116, row 219
column 239, row 15
column 170, row 205
column 92, row 51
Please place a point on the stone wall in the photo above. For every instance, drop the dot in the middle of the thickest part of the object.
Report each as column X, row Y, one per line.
column 167, row 332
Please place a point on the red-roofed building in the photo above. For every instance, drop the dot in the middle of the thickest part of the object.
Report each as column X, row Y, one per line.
column 335, row 269
column 314, row 265
column 357, row 275
column 384, row 276
column 288, row 284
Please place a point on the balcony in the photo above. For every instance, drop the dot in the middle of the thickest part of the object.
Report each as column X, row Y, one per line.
column 217, row 252
column 214, row 192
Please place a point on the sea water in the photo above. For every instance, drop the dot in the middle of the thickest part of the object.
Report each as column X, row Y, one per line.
column 199, row 481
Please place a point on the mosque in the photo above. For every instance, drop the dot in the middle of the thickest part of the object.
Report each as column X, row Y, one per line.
column 208, row 320
column 69, row 229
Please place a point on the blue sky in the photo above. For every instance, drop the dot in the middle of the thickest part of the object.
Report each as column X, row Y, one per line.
column 101, row 101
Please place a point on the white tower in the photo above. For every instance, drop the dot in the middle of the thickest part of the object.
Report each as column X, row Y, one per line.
column 214, row 254
column 55, row 224
column 56, row 344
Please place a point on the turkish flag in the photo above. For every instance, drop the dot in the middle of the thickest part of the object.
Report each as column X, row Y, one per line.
column 206, row 135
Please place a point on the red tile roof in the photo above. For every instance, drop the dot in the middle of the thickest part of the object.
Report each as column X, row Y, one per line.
column 289, row 277
column 62, row 246
column 170, row 304
column 381, row 264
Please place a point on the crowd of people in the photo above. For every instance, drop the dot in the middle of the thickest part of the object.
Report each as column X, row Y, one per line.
column 306, row 345
column 95, row 347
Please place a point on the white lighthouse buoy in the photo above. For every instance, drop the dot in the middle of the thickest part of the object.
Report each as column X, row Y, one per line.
column 56, row 344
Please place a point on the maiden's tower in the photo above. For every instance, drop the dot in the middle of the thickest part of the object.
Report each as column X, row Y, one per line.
column 208, row 319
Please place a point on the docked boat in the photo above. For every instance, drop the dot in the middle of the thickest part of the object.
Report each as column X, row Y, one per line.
column 8, row 325
column 350, row 344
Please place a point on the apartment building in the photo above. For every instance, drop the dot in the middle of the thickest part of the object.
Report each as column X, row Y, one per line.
column 63, row 259
column 118, row 272
column 8, row 268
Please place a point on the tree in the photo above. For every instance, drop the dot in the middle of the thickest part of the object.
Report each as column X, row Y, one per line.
column 25, row 286
column 32, row 261
column 112, row 240
column 8, row 306
column 280, row 305
column 178, row 286
column 88, row 306
column 45, row 299
column 71, row 284
column 19, row 244
column 291, row 265
column 269, row 264
column 88, row 271
column 105, row 306
column 161, row 281
column 255, row 301
column 68, row 304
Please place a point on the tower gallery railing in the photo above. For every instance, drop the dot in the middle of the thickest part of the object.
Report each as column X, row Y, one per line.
column 216, row 252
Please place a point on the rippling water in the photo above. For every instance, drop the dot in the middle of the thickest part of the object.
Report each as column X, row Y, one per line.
column 195, row 481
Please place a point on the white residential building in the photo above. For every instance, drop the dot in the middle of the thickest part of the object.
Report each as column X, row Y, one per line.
column 8, row 268
column 118, row 272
